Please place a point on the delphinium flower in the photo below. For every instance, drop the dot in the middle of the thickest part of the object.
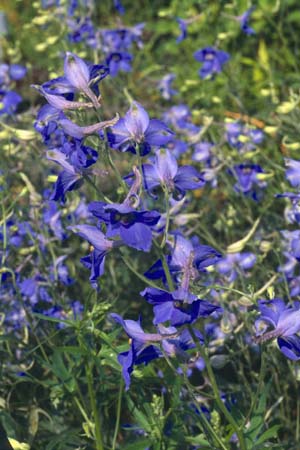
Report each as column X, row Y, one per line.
column 186, row 256
column 82, row 29
column 290, row 266
column 178, row 307
column 9, row 99
column 59, row 271
column 64, row 137
column 137, row 129
column 119, row 61
column 183, row 29
column 119, row 7
column 202, row 151
column 213, row 61
column 122, row 219
column 292, row 211
column 34, row 290
column 9, row 73
column 165, row 86
column 248, row 178
column 243, row 137
column 52, row 217
column 72, row 311
column 68, row 180
column 78, row 77
column 281, row 321
column 292, row 174
column 293, row 171
column 210, row 164
column 177, row 147
column 179, row 117
column 166, row 173
column 234, row 263
column 145, row 347
column 116, row 45
column 183, row 24
column 18, row 233
column 101, row 246
column 243, row 19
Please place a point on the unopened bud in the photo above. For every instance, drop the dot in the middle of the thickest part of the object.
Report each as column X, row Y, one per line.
column 286, row 107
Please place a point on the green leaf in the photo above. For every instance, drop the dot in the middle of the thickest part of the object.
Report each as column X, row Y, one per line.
column 138, row 445
column 52, row 319
column 257, row 420
column 198, row 440
column 270, row 433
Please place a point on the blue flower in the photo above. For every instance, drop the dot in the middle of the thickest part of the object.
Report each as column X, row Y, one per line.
column 186, row 259
column 232, row 263
column 179, row 117
column 285, row 323
column 183, row 29
column 178, row 307
column 118, row 61
column 133, row 227
column 212, row 59
column 165, row 87
column 244, row 19
column 77, row 74
column 9, row 102
column 119, row 7
column 293, row 171
column 143, row 346
column 247, row 176
column 137, row 129
column 101, row 247
column 166, row 173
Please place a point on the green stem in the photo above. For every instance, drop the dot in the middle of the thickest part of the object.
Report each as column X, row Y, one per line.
column 118, row 415
column 101, row 195
column 98, row 436
column 141, row 277
column 167, row 273
column 297, row 424
column 4, row 233
column 215, row 389
column 115, row 169
column 259, row 386
column 163, row 242
column 205, row 423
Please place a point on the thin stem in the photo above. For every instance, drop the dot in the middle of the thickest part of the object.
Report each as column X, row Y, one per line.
column 215, row 389
column 297, row 423
column 118, row 415
column 168, row 273
column 98, row 435
column 203, row 418
column 102, row 196
column 115, row 169
column 163, row 242
column 141, row 277
column 259, row 386
column 4, row 234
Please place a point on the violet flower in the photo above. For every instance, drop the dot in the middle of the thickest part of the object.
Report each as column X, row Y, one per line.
column 165, row 87
column 285, row 323
column 136, row 128
column 101, row 247
column 244, row 19
column 212, row 59
column 78, row 75
column 166, row 173
column 179, row 307
column 133, row 227
column 293, row 171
